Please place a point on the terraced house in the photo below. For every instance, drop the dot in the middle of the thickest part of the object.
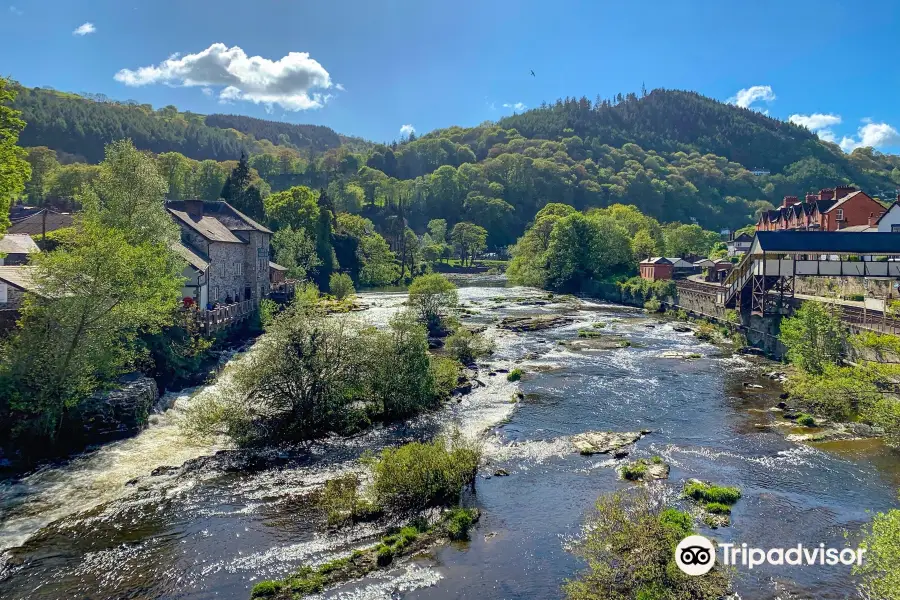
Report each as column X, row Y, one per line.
column 832, row 209
column 227, row 251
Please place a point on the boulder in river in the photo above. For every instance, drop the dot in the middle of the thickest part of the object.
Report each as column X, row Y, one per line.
column 534, row 323
column 681, row 329
column 603, row 442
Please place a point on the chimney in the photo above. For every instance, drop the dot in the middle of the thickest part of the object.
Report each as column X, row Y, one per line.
column 843, row 190
column 788, row 200
column 826, row 194
column 194, row 208
column 871, row 219
column 810, row 198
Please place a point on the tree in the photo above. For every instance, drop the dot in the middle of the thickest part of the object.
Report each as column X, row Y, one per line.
column 209, row 179
column 379, row 264
column 340, row 285
column 432, row 297
column 128, row 194
column 297, row 207
column 241, row 194
column 642, row 245
column 880, row 571
column 630, row 551
column 178, row 172
column 437, row 228
column 43, row 164
column 586, row 247
column 684, row 240
column 324, row 248
column 93, row 296
column 14, row 169
column 468, row 239
column 296, row 251
column 814, row 337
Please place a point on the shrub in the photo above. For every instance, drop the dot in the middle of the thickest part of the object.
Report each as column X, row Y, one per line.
column 857, row 297
column 432, row 297
column 630, row 549
column 806, row 420
column 705, row 331
column 717, row 508
column 657, row 460
column 342, row 502
column 457, row 522
column 880, row 572
column 334, row 565
column 598, row 325
column 653, row 305
column 466, row 347
column 634, row 471
column 340, row 285
column 814, row 337
column 384, row 554
column 446, row 374
column 419, row 475
column 514, row 375
column 707, row 492
column 837, row 393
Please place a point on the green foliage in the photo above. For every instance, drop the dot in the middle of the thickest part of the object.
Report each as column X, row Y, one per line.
column 265, row 589
column 806, row 420
column 342, row 502
column 296, row 251
column 15, row 171
column 268, row 309
column 634, row 471
column 514, row 375
column 717, row 508
column 446, row 374
column 318, row 373
column 457, row 522
column 630, row 550
column 242, row 193
column 467, row 347
column 814, row 337
column 340, row 285
column 638, row 290
column 837, row 392
column 297, row 208
column 653, row 305
column 880, row 571
column 419, row 475
column 468, row 240
column 707, row 492
column 432, row 297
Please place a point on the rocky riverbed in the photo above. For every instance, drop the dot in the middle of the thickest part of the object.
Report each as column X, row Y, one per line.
column 160, row 516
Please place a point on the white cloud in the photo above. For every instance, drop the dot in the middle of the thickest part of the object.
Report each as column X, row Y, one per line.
column 818, row 123
column 288, row 82
column 518, row 106
column 875, row 135
column 16, row 11
column 207, row 91
column 85, row 29
column 747, row 96
column 406, row 130
column 339, row 87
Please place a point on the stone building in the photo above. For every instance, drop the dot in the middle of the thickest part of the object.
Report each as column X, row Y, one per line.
column 233, row 247
column 14, row 282
column 15, row 248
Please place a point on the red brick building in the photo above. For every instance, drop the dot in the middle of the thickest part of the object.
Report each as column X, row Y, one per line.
column 656, row 268
column 832, row 209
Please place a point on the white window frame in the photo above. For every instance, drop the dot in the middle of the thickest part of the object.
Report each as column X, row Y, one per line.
column 839, row 214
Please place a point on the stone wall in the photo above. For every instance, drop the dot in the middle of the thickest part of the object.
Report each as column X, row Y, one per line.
column 112, row 414
column 845, row 286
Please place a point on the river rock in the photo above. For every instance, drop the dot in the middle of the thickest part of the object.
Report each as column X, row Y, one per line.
column 754, row 386
column 534, row 323
column 462, row 389
column 112, row 414
column 681, row 329
column 838, row 431
column 603, row 442
column 501, row 473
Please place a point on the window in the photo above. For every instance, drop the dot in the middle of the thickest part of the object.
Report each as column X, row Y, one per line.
column 895, row 228
column 839, row 214
column 237, row 268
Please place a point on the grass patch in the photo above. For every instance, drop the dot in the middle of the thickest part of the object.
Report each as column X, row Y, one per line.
column 657, row 460
column 598, row 325
column 457, row 522
column 588, row 334
column 634, row 471
column 514, row 375
column 265, row 589
column 707, row 492
column 717, row 508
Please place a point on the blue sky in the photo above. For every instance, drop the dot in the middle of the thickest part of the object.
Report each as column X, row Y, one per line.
column 369, row 68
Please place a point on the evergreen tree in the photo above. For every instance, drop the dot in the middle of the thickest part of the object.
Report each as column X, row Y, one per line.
column 239, row 192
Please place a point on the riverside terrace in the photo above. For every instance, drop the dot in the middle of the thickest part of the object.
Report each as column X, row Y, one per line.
column 766, row 275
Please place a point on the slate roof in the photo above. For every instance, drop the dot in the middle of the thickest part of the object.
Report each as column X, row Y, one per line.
column 34, row 224
column 658, row 260
column 826, row 242
column 195, row 259
column 18, row 243
column 229, row 216
column 840, row 202
column 276, row 266
column 19, row 277
column 210, row 228
column 889, row 209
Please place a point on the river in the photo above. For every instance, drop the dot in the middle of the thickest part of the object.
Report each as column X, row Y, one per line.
column 101, row 527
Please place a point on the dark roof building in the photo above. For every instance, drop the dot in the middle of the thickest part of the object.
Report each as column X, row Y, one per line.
column 825, row 242
column 41, row 222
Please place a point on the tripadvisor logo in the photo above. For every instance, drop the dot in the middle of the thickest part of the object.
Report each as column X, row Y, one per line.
column 695, row 555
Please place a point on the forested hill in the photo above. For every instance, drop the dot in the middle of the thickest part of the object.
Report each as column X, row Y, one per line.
column 82, row 126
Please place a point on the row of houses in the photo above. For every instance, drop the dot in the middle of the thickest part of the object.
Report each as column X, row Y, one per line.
column 227, row 253
column 662, row 267
column 841, row 208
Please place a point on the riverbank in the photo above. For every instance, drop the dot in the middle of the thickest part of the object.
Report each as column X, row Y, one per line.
column 217, row 527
